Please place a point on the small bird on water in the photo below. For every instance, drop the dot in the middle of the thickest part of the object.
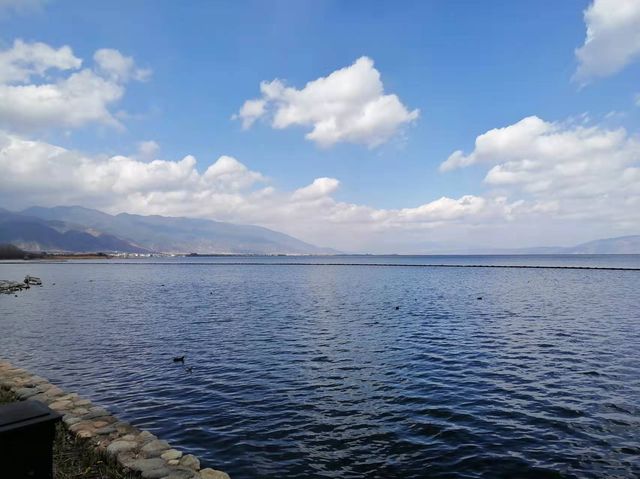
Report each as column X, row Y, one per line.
column 189, row 369
column 178, row 359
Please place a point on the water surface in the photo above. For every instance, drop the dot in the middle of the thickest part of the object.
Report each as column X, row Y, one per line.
column 353, row 371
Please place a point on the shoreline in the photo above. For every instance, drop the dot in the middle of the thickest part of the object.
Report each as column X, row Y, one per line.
column 131, row 448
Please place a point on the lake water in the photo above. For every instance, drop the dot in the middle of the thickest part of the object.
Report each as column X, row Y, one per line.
column 312, row 370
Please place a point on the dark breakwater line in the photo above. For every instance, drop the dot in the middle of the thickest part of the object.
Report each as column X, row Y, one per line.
column 377, row 265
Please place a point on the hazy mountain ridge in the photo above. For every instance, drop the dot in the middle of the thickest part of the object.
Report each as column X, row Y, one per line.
column 36, row 234
column 619, row 245
column 175, row 234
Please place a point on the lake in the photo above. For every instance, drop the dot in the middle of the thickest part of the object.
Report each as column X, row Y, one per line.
column 351, row 370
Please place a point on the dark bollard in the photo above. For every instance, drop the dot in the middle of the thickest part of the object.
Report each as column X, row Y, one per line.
column 27, row 429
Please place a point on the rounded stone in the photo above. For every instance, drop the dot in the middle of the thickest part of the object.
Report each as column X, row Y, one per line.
column 26, row 393
column 190, row 461
column 181, row 474
column 145, row 437
column 85, row 433
column 209, row 473
column 154, row 448
column 106, row 430
column 60, row 405
column 96, row 412
column 148, row 464
column 117, row 447
column 156, row 473
column 70, row 420
column 80, row 425
column 171, row 454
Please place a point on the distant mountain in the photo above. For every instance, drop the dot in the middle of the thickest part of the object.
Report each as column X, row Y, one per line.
column 35, row 234
column 179, row 235
column 620, row 245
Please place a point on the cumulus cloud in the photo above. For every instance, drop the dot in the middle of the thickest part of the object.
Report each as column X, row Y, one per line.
column 320, row 188
column 118, row 67
column 36, row 172
column 24, row 60
column 572, row 169
column 349, row 105
column 613, row 38
column 43, row 87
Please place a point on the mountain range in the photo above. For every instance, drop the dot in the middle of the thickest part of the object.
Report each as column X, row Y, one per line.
column 79, row 229
column 619, row 245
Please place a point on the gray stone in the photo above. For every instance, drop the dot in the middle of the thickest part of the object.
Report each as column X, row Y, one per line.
column 117, row 447
column 209, row 473
column 96, row 412
column 60, row 405
column 68, row 397
column 126, row 458
column 126, row 428
column 70, row 420
column 181, row 474
column 171, row 454
column 52, row 391
column 145, row 437
column 85, row 433
column 106, row 430
column 154, row 448
column 81, row 425
column 156, row 473
column 190, row 461
column 26, row 393
column 40, row 397
column 149, row 464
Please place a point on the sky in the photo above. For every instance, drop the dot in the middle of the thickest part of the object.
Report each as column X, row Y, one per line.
column 382, row 127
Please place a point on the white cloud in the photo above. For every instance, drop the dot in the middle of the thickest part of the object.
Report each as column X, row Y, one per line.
column 576, row 170
column 118, row 67
column 613, row 38
column 250, row 112
column 24, row 60
column 349, row 105
column 147, row 150
column 65, row 99
column 320, row 188
column 547, row 183
column 35, row 172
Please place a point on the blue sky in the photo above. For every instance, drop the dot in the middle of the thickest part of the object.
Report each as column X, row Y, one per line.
column 467, row 66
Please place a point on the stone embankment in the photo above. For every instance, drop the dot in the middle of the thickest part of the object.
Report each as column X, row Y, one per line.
column 135, row 450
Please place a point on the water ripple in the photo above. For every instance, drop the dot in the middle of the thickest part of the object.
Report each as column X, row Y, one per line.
column 311, row 371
